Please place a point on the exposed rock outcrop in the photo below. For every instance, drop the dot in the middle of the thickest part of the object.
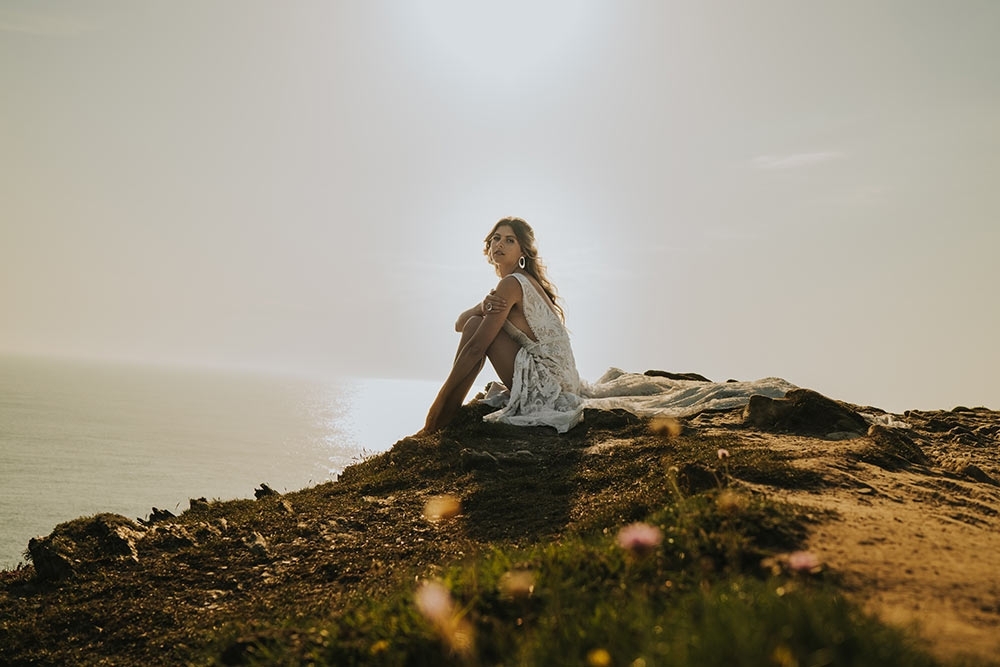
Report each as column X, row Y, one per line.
column 695, row 377
column 83, row 543
column 803, row 412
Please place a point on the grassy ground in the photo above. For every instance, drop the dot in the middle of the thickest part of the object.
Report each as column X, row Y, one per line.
column 461, row 549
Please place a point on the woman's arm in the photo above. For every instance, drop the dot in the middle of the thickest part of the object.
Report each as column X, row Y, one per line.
column 471, row 355
column 475, row 311
column 479, row 310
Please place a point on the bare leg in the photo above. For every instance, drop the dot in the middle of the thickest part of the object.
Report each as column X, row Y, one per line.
column 501, row 353
column 467, row 332
column 447, row 403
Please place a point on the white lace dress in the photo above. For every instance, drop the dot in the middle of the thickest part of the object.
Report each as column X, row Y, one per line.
column 546, row 387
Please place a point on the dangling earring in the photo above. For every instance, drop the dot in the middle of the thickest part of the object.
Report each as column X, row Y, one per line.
column 521, row 262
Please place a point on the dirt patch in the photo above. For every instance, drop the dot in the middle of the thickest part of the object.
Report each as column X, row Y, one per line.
column 917, row 544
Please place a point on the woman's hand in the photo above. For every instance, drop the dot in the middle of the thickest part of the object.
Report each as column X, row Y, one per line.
column 493, row 303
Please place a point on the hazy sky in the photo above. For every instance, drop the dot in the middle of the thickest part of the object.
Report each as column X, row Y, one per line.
column 808, row 190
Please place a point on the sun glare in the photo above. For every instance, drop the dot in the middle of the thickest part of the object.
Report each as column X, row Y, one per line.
column 500, row 43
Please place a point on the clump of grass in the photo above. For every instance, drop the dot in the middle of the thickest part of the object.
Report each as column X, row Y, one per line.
column 695, row 593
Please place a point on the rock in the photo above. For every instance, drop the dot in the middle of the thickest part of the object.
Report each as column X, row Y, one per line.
column 695, row 377
column 172, row 536
column 156, row 516
column 83, row 543
column 206, row 531
column 473, row 460
column 842, row 435
column 978, row 474
column 51, row 557
column 986, row 431
column 892, row 449
column 522, row 457
column 264, row 491
column 257, row 545
column 802, row 412
column 937, row 425
column 198, row 503
column 484, row 460
column 694, row 478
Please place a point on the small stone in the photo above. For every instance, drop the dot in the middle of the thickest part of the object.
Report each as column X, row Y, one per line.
column 843, row 435
column 257, row 545
column 472, row 459
column 263, row 491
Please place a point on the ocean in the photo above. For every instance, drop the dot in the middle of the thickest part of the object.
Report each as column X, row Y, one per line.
column 79, row 438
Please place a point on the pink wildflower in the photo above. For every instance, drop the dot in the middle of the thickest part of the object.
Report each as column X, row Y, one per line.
column 434, row 602
column 803, row 561
column 723, row 454
column 639, row 538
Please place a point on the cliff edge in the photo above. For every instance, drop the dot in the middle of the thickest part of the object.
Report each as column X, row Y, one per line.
column 791, row 508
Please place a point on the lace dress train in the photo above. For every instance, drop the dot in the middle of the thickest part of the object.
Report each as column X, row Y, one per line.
column 547, row 390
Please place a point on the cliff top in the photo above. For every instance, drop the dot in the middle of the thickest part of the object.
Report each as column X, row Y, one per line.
column 780, row 532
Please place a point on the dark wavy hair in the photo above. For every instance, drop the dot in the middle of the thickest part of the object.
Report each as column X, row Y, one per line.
column 533, row 264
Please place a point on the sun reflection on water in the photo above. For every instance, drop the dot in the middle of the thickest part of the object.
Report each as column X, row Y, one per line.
column 370, row 415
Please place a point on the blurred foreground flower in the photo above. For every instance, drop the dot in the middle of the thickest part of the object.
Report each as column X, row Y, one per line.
column 667, row 427
column 598, row 657
column 639, row 538
column 435, row 603
column 723, row 454
column 516, row 584
column 804, row 561
column 731, row 502
column 443, row 507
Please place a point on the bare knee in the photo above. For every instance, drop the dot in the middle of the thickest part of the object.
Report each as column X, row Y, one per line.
column 471, row 325
column 468, row 331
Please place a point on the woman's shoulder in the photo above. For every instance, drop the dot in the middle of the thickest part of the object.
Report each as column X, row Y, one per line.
column 524, row 280
column 510, row 285
column 511, row 280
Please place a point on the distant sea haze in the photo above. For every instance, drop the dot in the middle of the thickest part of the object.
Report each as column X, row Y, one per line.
column 81, row 438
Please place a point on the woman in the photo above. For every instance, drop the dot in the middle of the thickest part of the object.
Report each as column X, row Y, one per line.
column 519, row 327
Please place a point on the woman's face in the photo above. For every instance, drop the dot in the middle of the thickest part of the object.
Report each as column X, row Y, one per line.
column 505, row 249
